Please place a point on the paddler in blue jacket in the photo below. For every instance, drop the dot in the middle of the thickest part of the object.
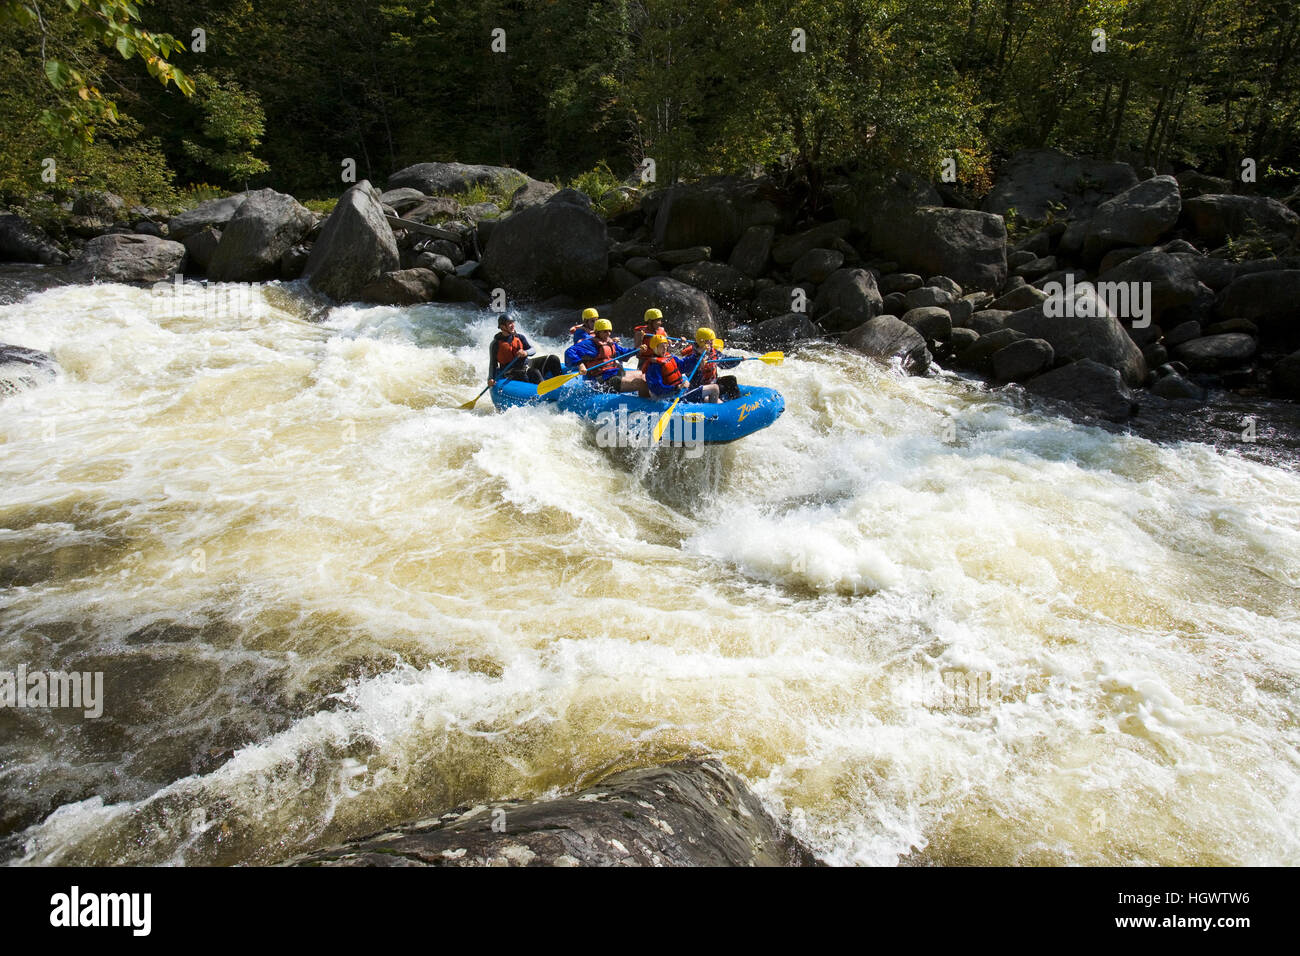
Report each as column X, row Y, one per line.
column 666, row 374
column 592, row 357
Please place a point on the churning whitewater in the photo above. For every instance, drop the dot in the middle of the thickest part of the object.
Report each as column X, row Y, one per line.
column 325, row 601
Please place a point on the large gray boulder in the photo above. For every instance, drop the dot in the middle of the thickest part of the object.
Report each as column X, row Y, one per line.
column 213, row 212
column 201, row 246
column 789, row 249
column 266, row 226
column 753, row 250
column 1269, row 299
column 1097, row 336
column 967, row 245
column 1087, row 384
column 782, row 330
column 433, row 178
column 1172, row 281
column 847, row 299
column 355, row 246
column 693, row 813
column 21, row 241
column 532, row 193
column 127, row 257
column 1034, row 181
column 1136, row 217
column 714, row 212
column 1022, row 360
column 887, row 338
column 556, row 247
column 685, row 307
column 724, row 283
column 1216, row 351
column 871, row 208
column 1216, row 217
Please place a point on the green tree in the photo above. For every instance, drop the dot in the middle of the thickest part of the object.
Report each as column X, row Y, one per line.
column 233, row 121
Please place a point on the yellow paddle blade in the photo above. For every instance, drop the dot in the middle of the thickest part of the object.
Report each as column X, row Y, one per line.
column 551, row 384
column 773, row 358
column 662, row 425
column 470, row 404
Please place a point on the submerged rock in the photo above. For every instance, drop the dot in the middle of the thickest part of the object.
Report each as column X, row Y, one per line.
column 693, row 813
column 22, row 368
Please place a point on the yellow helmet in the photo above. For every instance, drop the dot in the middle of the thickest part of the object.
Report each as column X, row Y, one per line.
column 658, row 340
column 589, row 314
column 603, row 325
column 653, row 315
column 704, row 336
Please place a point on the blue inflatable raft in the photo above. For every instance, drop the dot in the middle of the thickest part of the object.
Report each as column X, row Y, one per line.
column 629, row 414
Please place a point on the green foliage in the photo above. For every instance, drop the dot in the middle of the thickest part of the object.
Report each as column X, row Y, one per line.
column 234, row 122
column 323, row 206
column 63, row 29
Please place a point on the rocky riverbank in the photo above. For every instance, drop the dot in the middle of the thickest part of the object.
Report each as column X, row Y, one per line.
column 693, row 813
column 1122, row 280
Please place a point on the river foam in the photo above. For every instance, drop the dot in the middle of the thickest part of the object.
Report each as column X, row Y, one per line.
column 928, row 624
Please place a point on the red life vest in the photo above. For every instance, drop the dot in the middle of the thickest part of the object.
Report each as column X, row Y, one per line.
column 644, row 352
column 668, row 370
column 604, row 352
column 708, row 371
column 507, row 349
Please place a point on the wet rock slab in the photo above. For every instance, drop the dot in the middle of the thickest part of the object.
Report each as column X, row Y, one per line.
column 693, row 813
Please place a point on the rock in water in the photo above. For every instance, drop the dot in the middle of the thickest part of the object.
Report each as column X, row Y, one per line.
column 685, row 307
column 266, row 226
column 22, row 369
column 122, row 257
column 1089, row 384
column 213, row 212
column 720, row 281
column 968, row 246
column 20, row 241
column 1136, row 217
column 548, row 249
column 693, row 813
column 887, row 338
column 356, row 246
column 403, row 287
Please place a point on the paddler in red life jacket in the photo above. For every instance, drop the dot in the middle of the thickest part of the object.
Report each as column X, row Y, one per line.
column 666, row 374
column 585, row 328
column 653, row 326
column 707, row 373
column 506, row 346
column 592, row 357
